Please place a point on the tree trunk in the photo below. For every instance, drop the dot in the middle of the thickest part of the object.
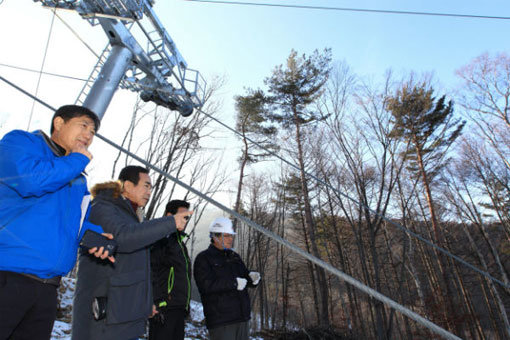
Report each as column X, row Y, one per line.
column 490, row 283
column 448, row 303
column 244, row 160
column 323, row 286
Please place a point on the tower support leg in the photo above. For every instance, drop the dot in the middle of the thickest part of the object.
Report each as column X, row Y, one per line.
column 108, row 80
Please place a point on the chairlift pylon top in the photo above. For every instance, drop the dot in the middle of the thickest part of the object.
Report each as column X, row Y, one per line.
column 92, row 9
column 158, row 71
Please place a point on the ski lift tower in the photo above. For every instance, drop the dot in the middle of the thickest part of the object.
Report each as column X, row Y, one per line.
column 158, row 72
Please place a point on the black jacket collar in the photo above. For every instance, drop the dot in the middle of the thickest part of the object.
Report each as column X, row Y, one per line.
column 220, row 252
column 54, row 147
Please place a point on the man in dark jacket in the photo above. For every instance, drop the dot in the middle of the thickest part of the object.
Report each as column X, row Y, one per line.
column 42, row 218
column 222, row 277
column 120, row 293
column 171, row 281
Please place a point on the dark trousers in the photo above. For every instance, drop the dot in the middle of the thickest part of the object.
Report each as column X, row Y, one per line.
column 236, row 331
column 28, row 308
column 170, row 328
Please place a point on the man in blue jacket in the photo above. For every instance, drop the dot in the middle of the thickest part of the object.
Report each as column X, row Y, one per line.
column 43, row 215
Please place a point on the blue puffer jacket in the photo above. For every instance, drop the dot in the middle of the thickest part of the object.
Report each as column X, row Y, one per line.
column 43, row 205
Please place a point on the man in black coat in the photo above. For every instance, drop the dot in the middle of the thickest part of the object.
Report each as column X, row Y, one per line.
column 120, row 292
column 171, row 281
column 222, row 277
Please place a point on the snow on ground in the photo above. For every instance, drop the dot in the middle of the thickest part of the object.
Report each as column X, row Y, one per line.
column 194, row 328
column 61, row 330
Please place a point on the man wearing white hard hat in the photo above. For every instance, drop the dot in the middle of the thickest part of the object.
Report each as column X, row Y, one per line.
column 222, row 280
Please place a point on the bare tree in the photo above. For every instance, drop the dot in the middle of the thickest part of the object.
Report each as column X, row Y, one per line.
column 485, row 97
column 461, row 192
column 175, row 145
column 365, row 166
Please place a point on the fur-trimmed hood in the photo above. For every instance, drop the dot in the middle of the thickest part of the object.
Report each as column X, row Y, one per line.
column 112, row 188
column 111, row 191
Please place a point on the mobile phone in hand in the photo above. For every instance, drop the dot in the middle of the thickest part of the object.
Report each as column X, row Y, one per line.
column 92, row 239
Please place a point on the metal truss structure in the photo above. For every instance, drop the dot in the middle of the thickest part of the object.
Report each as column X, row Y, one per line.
column 158, row 72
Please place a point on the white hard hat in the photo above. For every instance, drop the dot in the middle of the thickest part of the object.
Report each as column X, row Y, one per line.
column 222, row 225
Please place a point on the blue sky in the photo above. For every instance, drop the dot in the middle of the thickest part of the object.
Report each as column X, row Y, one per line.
column 245, row 43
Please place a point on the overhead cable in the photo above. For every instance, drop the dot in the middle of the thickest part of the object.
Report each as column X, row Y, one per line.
column 348, row 9
column 42, row 66
column 45, row 73
column 77, row 36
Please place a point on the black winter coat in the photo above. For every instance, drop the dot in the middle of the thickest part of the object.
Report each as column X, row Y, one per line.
column 215, row 273
column 125, row 283
column 171, row 272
